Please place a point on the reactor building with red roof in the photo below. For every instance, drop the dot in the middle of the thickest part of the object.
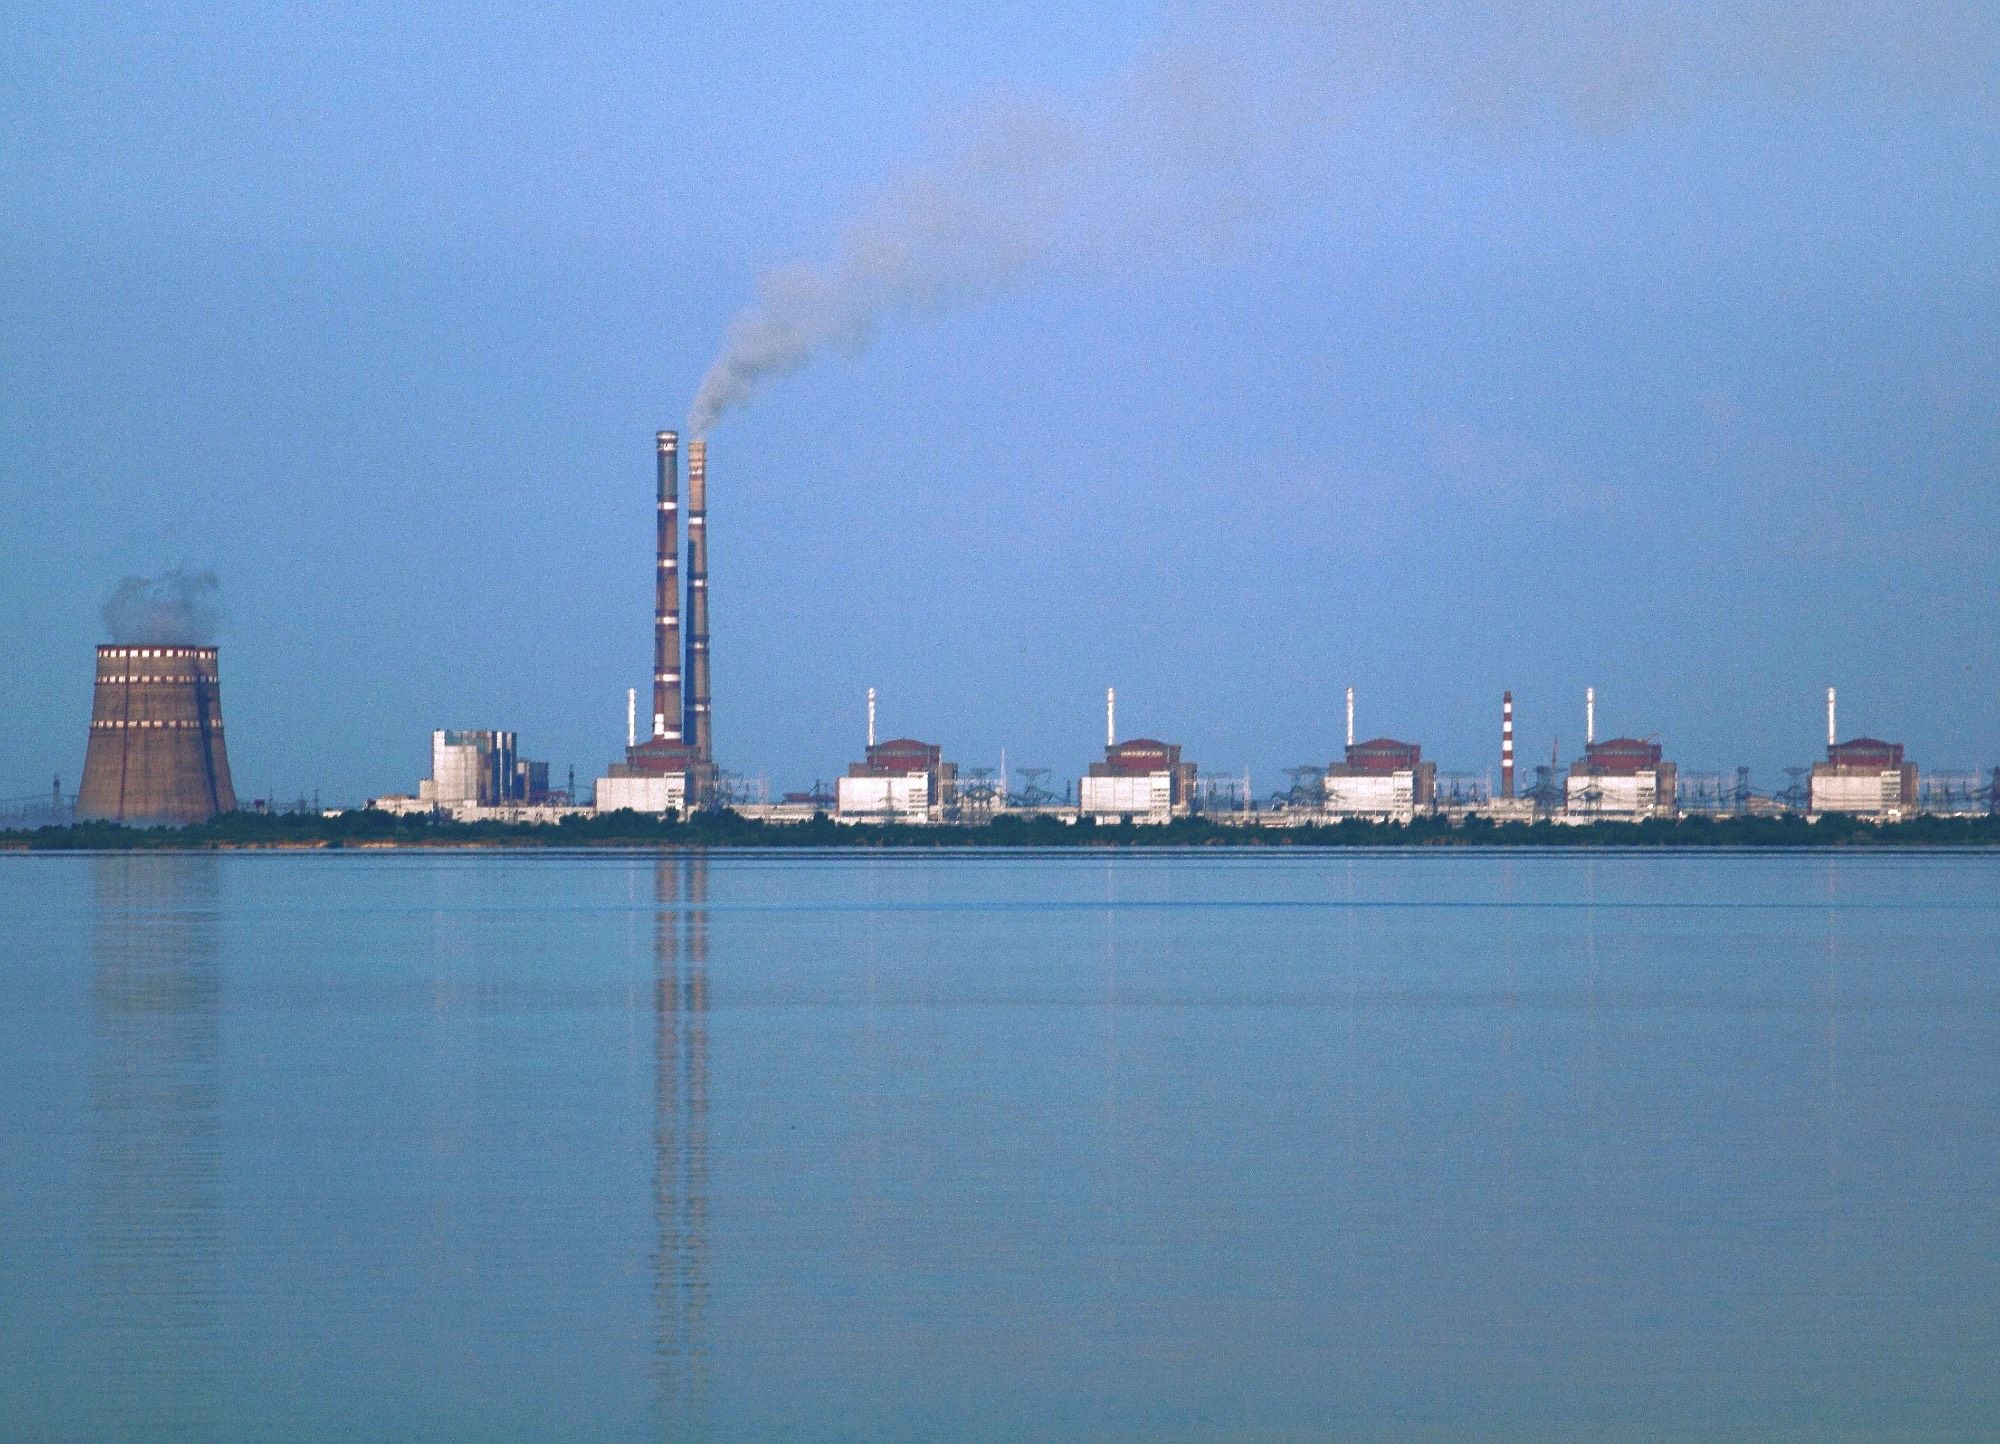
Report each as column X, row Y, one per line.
column 1139, row 780
column 1865, row 777
column 901, row 780
column 1380, row 780
column 1624, row 779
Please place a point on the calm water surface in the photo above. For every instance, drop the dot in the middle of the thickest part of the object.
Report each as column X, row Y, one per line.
column 1127, row 1147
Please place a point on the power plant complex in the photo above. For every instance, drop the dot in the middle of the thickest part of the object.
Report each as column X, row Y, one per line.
column 670, row 767
column 156, row 754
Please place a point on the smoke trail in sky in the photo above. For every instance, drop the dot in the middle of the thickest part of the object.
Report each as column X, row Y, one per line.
column 176, row 609
column 1169, row 152
column 930, row 239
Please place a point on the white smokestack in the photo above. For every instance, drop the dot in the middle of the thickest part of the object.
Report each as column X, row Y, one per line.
column 871, row 716
column 1350, row 716
column 1110, row 716
column 1831, row 736
column 1589, row 715
column 631, row 716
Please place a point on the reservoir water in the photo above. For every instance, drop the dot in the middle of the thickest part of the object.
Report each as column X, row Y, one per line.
column 1259, row 1146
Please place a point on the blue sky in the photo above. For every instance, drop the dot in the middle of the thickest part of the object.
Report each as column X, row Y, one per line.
column 1662, row 361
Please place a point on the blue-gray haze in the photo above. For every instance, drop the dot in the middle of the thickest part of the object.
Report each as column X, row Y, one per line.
column 1229, row 355
column 1267, row 1146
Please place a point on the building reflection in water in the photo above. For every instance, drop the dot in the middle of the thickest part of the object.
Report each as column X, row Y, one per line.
column 153, row 1232
column 680, row 1144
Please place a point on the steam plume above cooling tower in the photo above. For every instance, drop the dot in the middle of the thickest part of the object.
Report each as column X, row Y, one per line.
column 1173, row 152
column 176, row 608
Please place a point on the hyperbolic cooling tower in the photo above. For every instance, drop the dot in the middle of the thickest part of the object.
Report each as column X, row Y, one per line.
column 156, row 752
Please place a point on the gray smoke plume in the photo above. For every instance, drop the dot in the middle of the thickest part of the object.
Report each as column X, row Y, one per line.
column 1176, row 151
column 179, row 608
column 931, row 239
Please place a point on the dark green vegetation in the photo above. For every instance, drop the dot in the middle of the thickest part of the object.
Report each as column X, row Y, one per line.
column 727, row 829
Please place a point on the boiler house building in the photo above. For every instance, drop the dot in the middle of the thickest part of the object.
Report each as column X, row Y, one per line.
column 481, row 768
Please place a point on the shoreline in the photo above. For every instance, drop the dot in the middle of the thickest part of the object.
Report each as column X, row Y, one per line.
column 370, row 832
column 997, row 853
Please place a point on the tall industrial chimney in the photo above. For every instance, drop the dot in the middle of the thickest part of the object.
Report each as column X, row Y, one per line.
column 1589, row 715
column 1831, row 738
column 667, row 596
column 156, row 753
column 1350, row 716
column 698, row 701
column 1110, row 716
column 1506, row 744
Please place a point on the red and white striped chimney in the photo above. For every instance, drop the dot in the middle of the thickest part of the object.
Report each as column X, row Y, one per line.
column 698, row 702
column 1506, row 744
column 667, row 595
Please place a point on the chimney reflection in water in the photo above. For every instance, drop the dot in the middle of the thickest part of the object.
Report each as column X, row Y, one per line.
column 680, row 1144
column 153, row 1233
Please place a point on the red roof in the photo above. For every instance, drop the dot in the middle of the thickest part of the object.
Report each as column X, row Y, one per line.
column 1140, row 755
column 1384, row 754
column 897, row 756
column 657, row 757
column 1622, row 755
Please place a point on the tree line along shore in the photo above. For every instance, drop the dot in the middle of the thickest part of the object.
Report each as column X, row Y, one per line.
column 366, row 828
